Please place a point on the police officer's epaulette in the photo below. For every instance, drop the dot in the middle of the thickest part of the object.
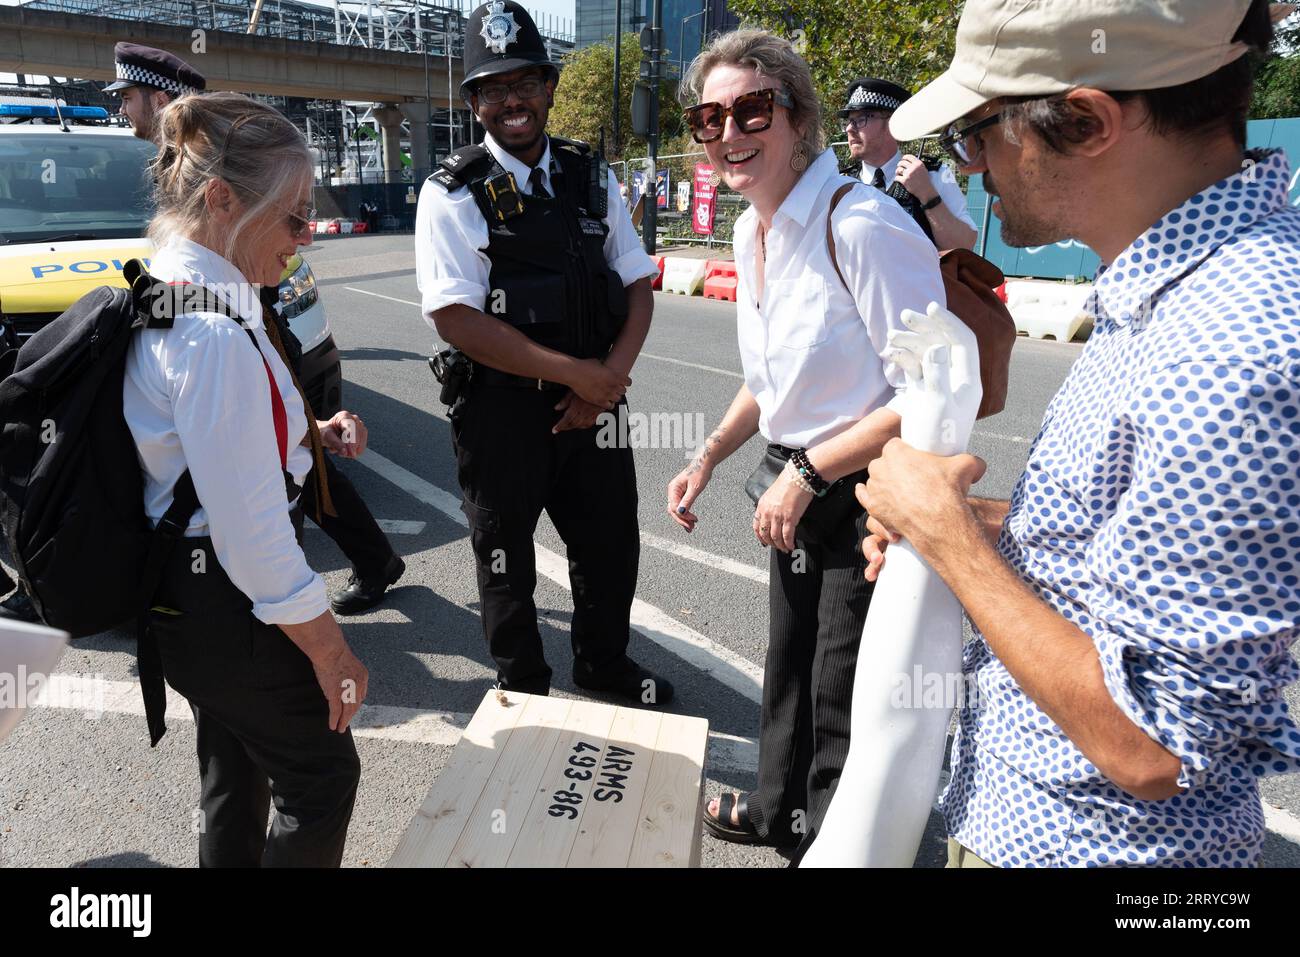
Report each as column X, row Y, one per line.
column 575, row 146
column 462, row 166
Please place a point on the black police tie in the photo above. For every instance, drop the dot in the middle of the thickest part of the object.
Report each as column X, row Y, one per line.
column 535, row 182
column 878, row 180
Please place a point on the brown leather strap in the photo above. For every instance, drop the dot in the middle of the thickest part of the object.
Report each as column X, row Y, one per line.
column 830, row 236
column 323, row 501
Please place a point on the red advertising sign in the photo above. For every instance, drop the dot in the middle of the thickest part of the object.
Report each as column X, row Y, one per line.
column 702, row 215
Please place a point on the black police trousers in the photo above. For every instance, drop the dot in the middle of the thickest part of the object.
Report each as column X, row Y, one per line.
column 511, row 468
column 818, row 599
column 353, row 529
column 261, row 721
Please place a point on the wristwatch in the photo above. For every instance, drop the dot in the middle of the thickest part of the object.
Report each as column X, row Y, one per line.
column 932, row 203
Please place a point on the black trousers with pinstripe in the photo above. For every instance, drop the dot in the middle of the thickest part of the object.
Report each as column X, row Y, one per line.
column 818, row 602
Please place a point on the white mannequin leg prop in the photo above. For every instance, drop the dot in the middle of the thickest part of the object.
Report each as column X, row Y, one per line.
column 883, row 797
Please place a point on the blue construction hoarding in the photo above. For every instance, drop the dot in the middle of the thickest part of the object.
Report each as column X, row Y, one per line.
column 1071, row 259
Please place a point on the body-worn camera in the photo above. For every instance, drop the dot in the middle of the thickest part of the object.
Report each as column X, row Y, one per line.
column 453, row 369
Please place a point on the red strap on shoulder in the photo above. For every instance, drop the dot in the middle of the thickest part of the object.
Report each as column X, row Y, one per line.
column 279, row 416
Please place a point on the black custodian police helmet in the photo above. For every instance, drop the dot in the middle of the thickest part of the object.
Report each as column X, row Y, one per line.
column 500, row 36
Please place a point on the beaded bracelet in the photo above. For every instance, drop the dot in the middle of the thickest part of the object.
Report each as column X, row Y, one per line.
column 796, row 477
column 805, row 468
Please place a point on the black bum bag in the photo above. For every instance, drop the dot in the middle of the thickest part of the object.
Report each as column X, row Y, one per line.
column 825, row 516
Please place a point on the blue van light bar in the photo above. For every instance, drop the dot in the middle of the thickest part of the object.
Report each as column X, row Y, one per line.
column 48, row 111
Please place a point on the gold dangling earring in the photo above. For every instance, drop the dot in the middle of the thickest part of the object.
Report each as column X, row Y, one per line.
column 799, row 158
column 715, row 179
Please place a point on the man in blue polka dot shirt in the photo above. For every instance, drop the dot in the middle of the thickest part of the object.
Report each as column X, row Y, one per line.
column 1136, row 600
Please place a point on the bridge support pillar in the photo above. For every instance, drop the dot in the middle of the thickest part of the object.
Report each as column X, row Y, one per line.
column 390, row 127
column 418, row 115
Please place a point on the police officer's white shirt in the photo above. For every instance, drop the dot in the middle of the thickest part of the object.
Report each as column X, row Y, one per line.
column 197, row 396
column 812, row 352
column 943, row 179
column 451, row 236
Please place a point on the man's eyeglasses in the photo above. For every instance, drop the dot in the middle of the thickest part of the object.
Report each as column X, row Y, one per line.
column 525, row 89
column 862, row 120
column 965, row 145
column 752, row 113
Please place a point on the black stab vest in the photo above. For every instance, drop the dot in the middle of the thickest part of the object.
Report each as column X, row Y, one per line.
column 548, row 276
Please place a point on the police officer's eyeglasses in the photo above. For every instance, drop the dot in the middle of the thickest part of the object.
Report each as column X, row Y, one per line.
column 965, row 145
column 861, row 121
column 751, row 112
column 525, row 89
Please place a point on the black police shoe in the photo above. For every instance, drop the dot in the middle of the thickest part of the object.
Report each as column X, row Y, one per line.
column 358, row 594
column 19, row 605
column 626, row 680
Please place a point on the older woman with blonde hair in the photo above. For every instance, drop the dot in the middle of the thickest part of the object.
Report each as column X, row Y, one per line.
column 240, row 626
column 826, row 266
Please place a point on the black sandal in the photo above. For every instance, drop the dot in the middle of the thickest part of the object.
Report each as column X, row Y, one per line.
column 721, row 826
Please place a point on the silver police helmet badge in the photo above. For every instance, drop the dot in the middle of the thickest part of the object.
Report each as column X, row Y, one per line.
column 499, row 27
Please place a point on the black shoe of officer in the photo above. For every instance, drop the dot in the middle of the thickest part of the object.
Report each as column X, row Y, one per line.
column 19, row 605
column 626, row 680
column 359, row 594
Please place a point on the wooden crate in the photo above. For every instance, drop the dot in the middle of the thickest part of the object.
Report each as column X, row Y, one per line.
column 551, row 782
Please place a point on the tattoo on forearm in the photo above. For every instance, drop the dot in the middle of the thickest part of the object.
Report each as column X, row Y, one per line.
column 709, row 443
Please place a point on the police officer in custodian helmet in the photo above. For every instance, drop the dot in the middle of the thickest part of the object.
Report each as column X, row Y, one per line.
column 529, row 267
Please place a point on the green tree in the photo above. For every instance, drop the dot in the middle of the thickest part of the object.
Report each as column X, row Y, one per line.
column 1277, row 84
column 584, row 99
column 908, row 43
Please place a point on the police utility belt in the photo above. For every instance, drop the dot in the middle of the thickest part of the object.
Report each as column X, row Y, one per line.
column 454, row 371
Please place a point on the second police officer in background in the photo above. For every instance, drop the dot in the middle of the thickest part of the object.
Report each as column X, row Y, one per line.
column 926, row 189
column 529, row 266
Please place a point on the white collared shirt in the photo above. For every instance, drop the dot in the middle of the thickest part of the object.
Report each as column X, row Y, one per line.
column 943, row 179
column 812, row 351
column 197, row 396
column 451, row 236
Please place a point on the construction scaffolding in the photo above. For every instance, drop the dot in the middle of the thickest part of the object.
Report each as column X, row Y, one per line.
column 410, row 26
column 344, row 135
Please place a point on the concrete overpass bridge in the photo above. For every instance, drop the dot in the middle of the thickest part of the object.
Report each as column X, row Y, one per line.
column 80, row 45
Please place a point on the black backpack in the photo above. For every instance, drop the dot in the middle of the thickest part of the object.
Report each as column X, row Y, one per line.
column 71, row 486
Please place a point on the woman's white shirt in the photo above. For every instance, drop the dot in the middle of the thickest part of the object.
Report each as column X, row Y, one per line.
column 197, row 396
column 812, row 351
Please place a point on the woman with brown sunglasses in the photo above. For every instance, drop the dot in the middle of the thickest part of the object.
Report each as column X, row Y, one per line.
column 826, row 265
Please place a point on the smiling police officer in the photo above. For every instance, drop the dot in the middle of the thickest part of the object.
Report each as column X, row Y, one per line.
column 529, row 266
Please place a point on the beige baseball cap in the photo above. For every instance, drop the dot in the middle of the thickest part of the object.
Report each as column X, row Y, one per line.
column 1040, row 47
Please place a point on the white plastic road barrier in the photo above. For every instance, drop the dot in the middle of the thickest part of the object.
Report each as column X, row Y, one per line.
column 1047, row 308
column 897, row 736
column 345, row 226
column 683, row 276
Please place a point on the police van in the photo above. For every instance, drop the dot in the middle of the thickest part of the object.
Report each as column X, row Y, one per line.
column 74, row 205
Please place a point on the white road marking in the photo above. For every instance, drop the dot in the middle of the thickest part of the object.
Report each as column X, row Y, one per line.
column 752, row 572
column 378, row 295
column 393, row 526
column 733, row 670
column 97, row 697
column 1017, row 439
column 692, row 365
